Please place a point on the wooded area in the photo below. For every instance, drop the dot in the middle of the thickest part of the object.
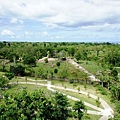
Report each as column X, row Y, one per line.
column 22, row 59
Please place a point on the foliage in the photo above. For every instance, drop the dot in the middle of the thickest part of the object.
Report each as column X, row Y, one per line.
column 115, row 91
column 29, row 106
column 29, row 60
column 58, row 64
column 114, row 73
column 71, row 80
column 62, row 104
column 17, row 70
column 3, row 82
column 118, row 106
column 9, row 75
column 46, row 60
column 56, row 71
column 11, row 57
column 80, row 108
column 102, row 90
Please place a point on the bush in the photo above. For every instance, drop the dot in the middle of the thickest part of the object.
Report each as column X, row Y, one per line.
column 56, row 71
column 17, row 70
column 46, row 60
column 9, row 75
column 58, row 64
column 71, row 81
column 29, row 60
column 102, row 90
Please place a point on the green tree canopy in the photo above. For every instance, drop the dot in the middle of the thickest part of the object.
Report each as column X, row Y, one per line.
column 32, row 106
column 29, row 60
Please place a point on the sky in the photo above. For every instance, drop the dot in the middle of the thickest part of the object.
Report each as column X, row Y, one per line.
column 60, row 20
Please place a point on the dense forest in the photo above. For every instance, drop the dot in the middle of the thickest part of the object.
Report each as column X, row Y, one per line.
column 21, row 59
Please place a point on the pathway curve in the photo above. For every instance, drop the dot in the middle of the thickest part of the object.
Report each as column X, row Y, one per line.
column 106, row 112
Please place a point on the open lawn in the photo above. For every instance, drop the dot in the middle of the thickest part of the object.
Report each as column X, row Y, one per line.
column 89, row 88
column 16, row 89
column 65, row 70
column 91, row 66
column 79, row 96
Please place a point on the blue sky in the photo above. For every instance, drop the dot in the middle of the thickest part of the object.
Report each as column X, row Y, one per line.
column 60, row 20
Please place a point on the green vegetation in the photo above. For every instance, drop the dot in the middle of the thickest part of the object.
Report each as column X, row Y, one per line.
column 79, row 96
column 100, row 59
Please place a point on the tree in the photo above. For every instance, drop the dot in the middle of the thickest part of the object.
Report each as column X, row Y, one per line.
column 71, row 51
column 85, row 77
column 98, row 102
column 115, row 91
column 17, row 70
column 80, row 108
column 3, row 82
column 12, row 57
column 58, row 64
column 78, row 89
column 46, row 60
column 85, row 86
column 78, row 55
column 3, row 65
column 35, row 105
column 26, row 79
column 56, row 71
column 114, row 72
column 9, row 75
column 118, row 106
column 29, row 60
column 62, row 104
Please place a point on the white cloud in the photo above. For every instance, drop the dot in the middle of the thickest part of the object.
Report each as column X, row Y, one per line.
column 72, row 13
column 45, row 33
column 57, row 37
column 54, row 16
column 7, row 32
column 21, row 21
column 13, row 20
column 27, row 33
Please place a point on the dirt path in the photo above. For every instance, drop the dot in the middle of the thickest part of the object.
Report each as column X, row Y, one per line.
column 92, row 77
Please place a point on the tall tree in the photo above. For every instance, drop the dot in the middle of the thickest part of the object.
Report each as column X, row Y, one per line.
column 80, row 108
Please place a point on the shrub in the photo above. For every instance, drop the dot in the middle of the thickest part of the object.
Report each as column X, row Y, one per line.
column 46, row 60
column 9, row 75
column 55, row 71
column 17, row 70
column 71, row 81
column 58, row 64
column 102, row 90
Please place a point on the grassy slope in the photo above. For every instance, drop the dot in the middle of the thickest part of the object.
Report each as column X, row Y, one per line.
column 65, row 66
column 91, row 66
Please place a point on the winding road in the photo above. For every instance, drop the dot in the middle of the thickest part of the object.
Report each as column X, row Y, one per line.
column 106, row 113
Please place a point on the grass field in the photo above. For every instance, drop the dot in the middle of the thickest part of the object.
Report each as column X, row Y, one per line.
column 89, row 88
column 79, row 96
column 16, row 89
column 91, row 66
column 65, row 70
